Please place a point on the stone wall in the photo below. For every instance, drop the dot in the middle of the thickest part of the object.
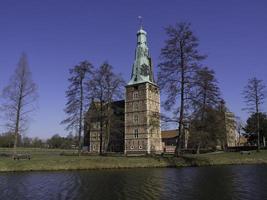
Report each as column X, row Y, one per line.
column 142, row 122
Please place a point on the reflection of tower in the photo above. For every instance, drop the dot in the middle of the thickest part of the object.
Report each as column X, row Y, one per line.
column 142, row 104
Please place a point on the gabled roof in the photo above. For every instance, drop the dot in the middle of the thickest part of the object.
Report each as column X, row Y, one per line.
column 169, row 134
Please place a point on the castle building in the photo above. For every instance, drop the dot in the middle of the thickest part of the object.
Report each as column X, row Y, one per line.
column 231, row 129
column 137, row 130
column 142, row 104
column 132, row 125
column 112, row 133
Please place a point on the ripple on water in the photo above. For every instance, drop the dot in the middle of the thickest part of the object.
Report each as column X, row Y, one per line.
column 222, row 182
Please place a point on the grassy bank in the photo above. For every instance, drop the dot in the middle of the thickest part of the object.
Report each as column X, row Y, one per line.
column 229, row 158
column 44, row 159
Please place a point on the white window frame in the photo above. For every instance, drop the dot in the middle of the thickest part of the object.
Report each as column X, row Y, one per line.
column 136, row 132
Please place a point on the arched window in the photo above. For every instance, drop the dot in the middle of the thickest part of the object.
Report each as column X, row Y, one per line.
column 135, row 106
column 135, row 95
column 136, row 119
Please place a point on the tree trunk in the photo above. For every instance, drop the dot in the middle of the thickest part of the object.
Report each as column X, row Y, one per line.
column 107, row 139
column 101, row 127
column 181, row 116
column 17, row 121
column 80, row 118
column 258, row 132
column 258, row 122
column 198, row 148
column 202, row 121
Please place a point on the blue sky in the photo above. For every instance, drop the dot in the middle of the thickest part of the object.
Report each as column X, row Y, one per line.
column 56, row 35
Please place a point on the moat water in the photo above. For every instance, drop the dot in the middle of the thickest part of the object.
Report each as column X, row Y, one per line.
column 247, row 182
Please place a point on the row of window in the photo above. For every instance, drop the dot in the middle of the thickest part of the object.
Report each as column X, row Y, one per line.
column 154, row 106
column 134, row 145
column 140, row 147
column 136, row 95
column 136, row 133
column 153, row 120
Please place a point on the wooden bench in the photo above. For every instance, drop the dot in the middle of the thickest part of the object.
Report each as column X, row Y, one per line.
column 5, row 155
column 22, row 156
column 245, row 152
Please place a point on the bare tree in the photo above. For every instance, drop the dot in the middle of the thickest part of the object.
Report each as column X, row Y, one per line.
column 107, row 87
column 180, row 58
column 19, row 95
column 254, row 94
column 77, row 101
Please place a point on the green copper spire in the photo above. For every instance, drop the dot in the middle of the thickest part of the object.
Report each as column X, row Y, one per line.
column 142, row 68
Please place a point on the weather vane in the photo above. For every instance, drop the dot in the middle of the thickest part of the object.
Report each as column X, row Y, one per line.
column 140, row 18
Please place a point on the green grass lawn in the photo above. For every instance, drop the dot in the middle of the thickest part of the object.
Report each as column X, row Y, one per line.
column 46, row 159
column 49, row 159
column 232, row 158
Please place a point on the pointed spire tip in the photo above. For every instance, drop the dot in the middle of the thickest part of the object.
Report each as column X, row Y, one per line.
column 140, row 18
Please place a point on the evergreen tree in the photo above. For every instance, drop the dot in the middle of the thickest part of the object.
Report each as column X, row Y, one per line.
column 251, row 127
column 254, row 95
column 205, row 99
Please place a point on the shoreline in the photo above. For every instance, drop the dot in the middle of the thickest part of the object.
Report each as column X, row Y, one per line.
column 124, row 168
column 53, row 161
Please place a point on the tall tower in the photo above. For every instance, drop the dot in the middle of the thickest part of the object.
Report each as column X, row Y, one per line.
column 142, row 104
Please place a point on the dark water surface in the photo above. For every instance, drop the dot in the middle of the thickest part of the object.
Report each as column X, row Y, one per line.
column 215, row 183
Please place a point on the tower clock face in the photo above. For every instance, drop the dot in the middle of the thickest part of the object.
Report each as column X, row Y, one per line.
column 144, row 70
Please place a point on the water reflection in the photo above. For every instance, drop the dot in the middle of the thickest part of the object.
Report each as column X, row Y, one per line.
column 250, row 182
column 223, row 182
